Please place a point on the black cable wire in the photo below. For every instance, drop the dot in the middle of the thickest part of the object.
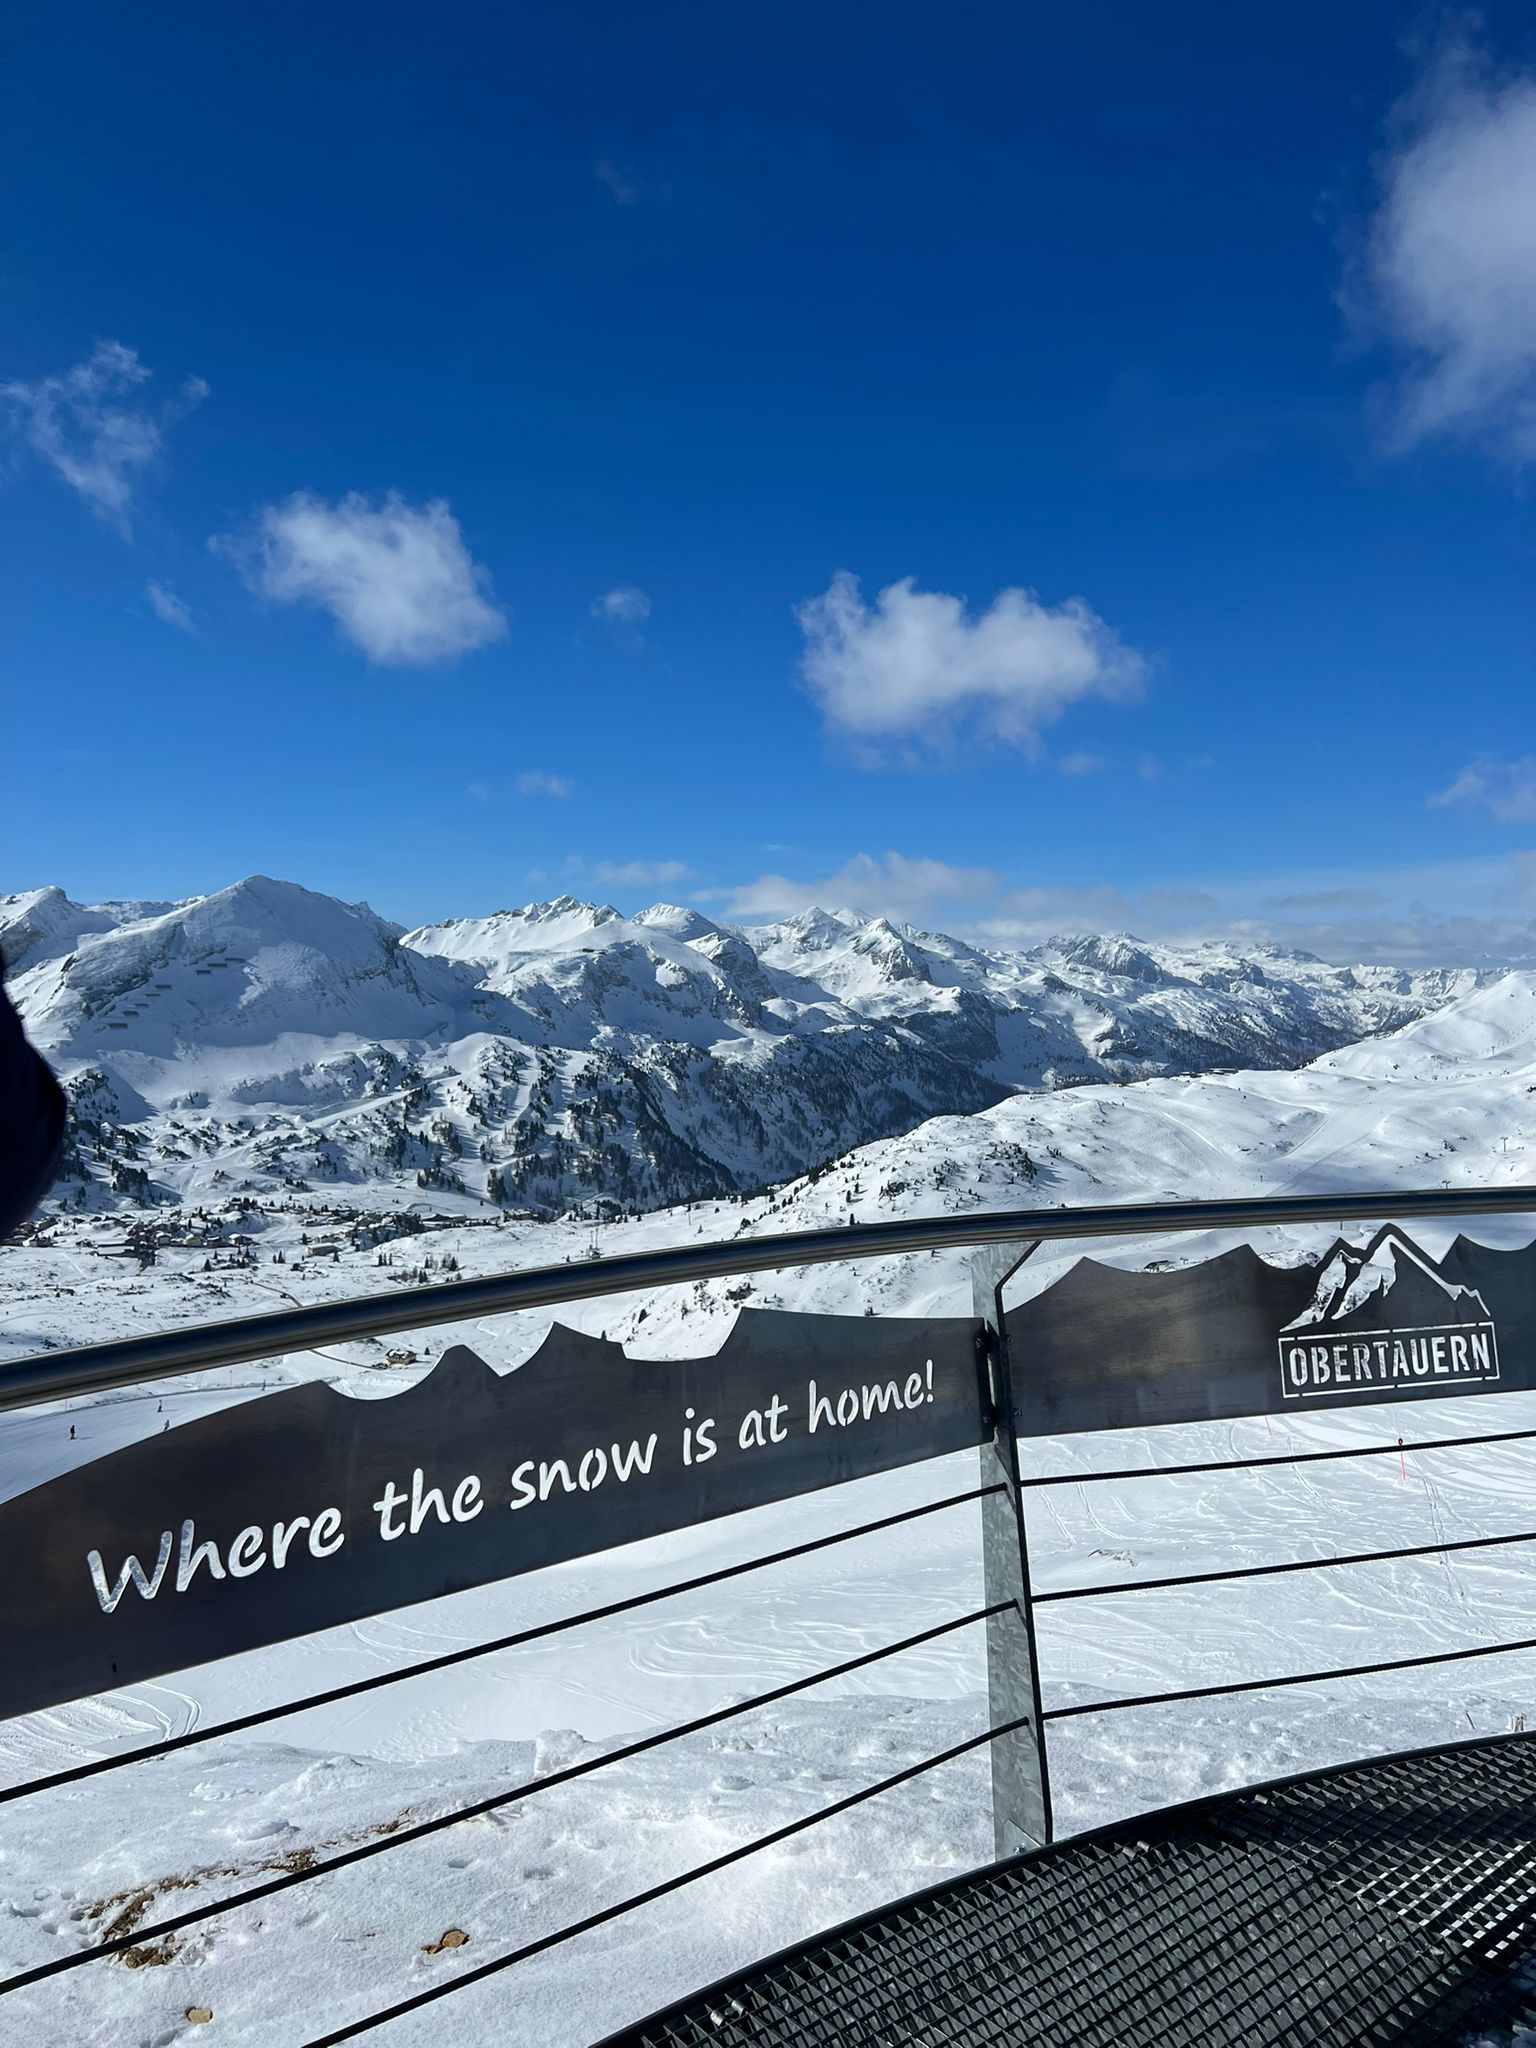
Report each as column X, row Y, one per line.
column 1442, row 1443
column 1211, row 1692
column 141, row 1937
column 658, row 1891
column 1261, row 1571
column 263, row 1715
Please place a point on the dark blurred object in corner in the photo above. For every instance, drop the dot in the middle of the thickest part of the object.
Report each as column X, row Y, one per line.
column 31, row 1121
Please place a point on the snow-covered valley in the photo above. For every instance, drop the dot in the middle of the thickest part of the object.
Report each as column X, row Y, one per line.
column 1447, row 1098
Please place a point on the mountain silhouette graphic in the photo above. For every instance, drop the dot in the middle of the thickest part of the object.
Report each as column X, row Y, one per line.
column 1389, row 1284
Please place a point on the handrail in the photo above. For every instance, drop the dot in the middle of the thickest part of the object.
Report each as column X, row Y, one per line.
column 94, row 1368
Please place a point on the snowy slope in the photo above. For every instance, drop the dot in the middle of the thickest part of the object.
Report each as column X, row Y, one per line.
column 267, row 1037
column 1448, row 1099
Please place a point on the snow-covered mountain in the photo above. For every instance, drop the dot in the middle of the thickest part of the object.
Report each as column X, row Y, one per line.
column 562, row 1054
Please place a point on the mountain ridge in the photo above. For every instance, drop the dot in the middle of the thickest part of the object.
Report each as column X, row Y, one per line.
column 563, row 1053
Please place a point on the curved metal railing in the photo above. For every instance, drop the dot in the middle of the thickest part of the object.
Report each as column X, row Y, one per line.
column 93, row 1368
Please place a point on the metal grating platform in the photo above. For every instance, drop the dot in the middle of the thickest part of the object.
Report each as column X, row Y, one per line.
column 1390, row 1902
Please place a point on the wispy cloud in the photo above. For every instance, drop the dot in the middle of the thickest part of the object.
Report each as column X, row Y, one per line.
column 1450, row 273
column 1080, row 764
column 624, row 606
column 1031, row 914
column 617, row 181
column 166, row 605
column 91, row 427
column 538, row 782
column 621, row 612
column 642, row 872
column 1402, row 917
column 1406, row 917
column 918, row 667
column 396, row 578
column 1506, row 788
column 893, row 886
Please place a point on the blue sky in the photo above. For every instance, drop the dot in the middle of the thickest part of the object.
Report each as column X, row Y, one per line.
column 1005, row 468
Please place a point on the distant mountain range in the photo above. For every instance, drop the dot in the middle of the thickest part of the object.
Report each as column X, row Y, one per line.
column 561, row 1055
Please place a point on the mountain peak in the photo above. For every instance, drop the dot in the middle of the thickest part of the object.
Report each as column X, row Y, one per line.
column 43, row 924
column 1116, row 953
column 570, row 906
column 817, row 927
column 678, row 921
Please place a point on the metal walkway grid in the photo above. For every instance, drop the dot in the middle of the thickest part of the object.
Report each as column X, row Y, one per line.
column 1392, row 1902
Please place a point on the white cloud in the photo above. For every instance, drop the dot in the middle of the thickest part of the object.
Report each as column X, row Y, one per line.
column 536, row 782
column 90, row 427
column 397, row 578
column 166, row 605
column 1507, row 788
column 1451, row 266
column 624, row 606
column 642, row 872
column 918, row 667
column 1080, row 764
column 893, row 886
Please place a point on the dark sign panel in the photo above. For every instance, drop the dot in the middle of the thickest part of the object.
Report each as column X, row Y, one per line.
column 1234, row 1335
column 306, row 1508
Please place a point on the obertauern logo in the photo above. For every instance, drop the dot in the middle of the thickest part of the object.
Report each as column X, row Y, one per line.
column 1383, row 1318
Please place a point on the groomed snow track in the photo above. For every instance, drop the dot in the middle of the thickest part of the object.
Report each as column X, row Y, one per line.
column 1383, row 1903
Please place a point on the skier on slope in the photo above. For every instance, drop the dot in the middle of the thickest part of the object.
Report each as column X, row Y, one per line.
column 31, row 1121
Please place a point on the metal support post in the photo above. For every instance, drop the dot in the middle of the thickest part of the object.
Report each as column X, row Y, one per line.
column 1021, row 1786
